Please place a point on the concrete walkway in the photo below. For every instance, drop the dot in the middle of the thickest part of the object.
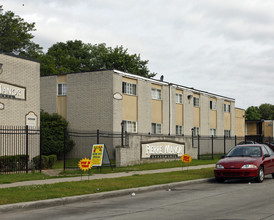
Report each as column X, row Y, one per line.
column 101, row 176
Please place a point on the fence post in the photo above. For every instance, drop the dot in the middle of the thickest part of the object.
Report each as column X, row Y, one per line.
column 98, row 136
column 27, row 148
column 192, row 137
column 40, row 165
column 198, row 147
column 235, row 140
column 224, row 145
column 212, row 154
column 65, row 140
column 122, row 134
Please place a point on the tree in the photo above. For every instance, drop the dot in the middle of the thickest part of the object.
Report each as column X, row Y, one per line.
column 267, row 111
column 264, row 111
column 53, row 126
column 253, row 113
column 76, row 56
column 15, row 36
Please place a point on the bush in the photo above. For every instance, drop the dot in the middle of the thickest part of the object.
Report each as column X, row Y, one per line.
column 47, row 161
column 52, row 160
column 13, row 163
column 53, row 126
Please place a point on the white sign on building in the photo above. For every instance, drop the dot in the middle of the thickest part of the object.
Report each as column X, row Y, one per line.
column 12, row 91
column 31, row 119
column 162, row 149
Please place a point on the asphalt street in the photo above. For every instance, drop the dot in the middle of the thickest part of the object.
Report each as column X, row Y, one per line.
column 205, row 200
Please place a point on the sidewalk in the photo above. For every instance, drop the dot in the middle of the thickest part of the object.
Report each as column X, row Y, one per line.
column 100, row 176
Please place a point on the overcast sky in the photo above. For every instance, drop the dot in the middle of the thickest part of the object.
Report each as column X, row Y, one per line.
column 224, row 47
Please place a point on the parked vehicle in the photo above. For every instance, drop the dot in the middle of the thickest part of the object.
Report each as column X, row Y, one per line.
column 247, row 142
column 270, row 145
column 246, row 161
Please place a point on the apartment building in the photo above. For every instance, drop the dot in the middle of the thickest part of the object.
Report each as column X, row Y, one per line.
column 19, row 91
column 19, row 106
column 106, row 99
column 260, row 127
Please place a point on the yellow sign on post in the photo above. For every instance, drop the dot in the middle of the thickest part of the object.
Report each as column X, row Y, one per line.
column 186, row 158
column 85, row 164
column 97, row 154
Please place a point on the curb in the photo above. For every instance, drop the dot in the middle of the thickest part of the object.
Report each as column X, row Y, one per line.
column 103, row 195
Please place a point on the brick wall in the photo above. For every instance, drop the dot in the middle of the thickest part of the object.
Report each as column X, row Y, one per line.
column 22, row 73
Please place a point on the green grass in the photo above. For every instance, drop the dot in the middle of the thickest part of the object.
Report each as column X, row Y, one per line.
column 41, row 192
column 12, row 178
column 139, row 167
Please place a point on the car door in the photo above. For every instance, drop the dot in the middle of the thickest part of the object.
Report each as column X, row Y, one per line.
column 271, row 153
column 268, row 163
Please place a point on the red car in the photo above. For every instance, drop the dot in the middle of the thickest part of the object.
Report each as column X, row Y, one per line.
column 246, row 161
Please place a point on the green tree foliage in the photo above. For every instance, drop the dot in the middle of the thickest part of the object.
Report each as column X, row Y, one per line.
column 267, row 111
column 76, row 56
column 15, row 35
column 252, row 113
column 53, row 126
column 264, row 111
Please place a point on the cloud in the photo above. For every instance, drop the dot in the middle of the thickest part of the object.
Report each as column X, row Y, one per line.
column 224, row 47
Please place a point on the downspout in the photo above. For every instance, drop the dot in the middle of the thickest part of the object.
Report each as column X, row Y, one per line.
column 170, row 110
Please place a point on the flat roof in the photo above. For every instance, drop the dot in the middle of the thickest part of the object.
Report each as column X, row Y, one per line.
column 20, row 57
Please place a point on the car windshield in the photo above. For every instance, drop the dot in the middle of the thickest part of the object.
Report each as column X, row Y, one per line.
column 254, row 151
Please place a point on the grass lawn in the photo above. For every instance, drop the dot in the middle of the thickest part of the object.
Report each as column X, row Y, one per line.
column 11, row 178
column 139, row 167
column 41, row 192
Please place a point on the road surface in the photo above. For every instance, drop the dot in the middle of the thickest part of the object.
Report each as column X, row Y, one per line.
column 211, row 200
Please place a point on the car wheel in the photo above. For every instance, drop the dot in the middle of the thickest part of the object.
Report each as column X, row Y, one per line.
column 273, row 175
column 219, row 179
column 260, row 177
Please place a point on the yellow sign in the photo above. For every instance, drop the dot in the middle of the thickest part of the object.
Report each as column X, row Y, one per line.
column 85, row 164
column 186, row 158
column 97, row 154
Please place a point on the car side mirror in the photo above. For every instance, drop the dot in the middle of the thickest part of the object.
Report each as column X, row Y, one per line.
column 266, row 155
column 223, row 156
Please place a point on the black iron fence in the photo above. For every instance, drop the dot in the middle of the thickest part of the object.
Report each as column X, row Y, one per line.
column 212, row 146
column 84, row 141
column 19, row 147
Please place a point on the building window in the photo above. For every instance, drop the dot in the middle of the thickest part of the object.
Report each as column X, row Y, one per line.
column 213, row 105
column 212, row 131
column 227, row 133
column 179, row 98
column 130, row 126
column 196, row 101
column 156, row 128
column 226, row 107
column 195, row 131
column 129, row 88
column 62, row 89
column 179, row 129
column 156, row 93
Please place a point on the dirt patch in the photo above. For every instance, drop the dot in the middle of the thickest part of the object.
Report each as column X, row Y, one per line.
column 52, row 172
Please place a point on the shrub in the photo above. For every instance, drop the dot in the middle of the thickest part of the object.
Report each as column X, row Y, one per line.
column 46, row 163
column 53, row 126
column 52, row 160
column 13, row 163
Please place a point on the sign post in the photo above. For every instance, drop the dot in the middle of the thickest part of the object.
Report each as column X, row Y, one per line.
column 85, row 165
column 186, row 159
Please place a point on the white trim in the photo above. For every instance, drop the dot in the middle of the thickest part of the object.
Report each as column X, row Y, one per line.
column 140, row 77
column 170, row 111
column 204, row 93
